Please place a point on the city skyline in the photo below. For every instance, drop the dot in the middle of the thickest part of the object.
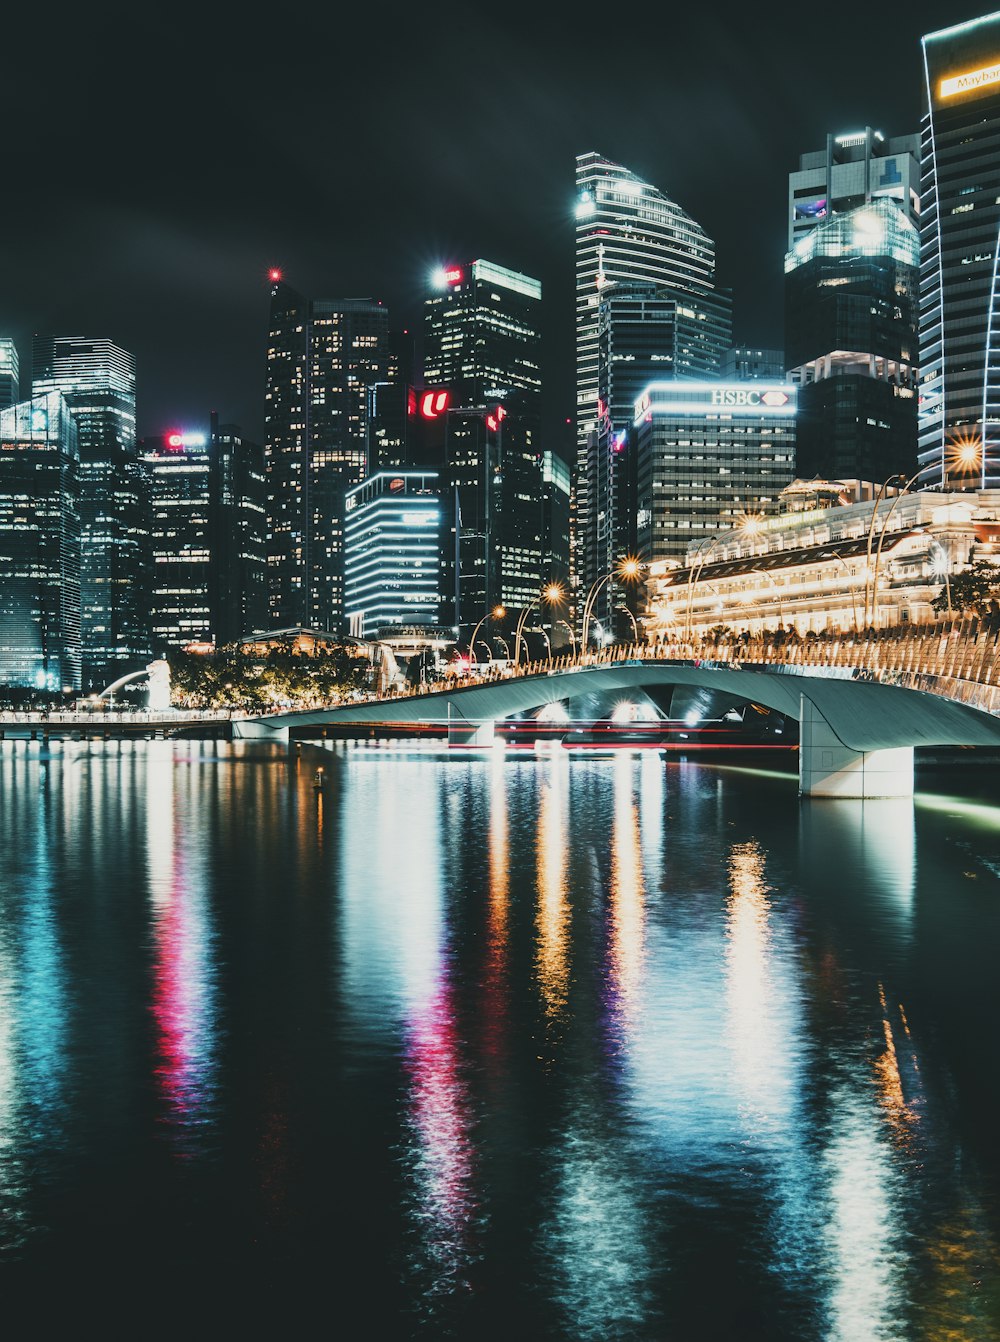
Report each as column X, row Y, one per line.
column 451, row 141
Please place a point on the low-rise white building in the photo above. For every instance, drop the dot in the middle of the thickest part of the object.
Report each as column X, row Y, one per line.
column 839, row 568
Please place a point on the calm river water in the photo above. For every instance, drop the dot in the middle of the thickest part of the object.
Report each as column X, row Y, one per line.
column 545, row 1047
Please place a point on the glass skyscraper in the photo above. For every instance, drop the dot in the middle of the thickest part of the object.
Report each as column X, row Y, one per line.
column 39, row 545
column 9, row 373
column 851, row 343
column 97, row 379
column 393, row 552
column 323, row 358
column 626, row 231
column 959, row 412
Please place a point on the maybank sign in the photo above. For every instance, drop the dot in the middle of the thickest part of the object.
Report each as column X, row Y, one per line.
column 713, row 398
column 972, row 79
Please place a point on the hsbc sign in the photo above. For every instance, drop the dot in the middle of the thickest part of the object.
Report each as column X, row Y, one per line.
column 748, row 396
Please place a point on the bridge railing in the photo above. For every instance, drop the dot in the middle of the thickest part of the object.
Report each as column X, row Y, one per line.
column 947, row 657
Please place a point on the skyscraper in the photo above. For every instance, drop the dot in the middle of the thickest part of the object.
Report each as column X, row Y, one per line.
column 323, row 357
column 482, row 346
column 959, row 414
column 851, row 343
column 208, row 535
column 9, row 373
column 97, row 379
column 627, row 231
column 850, row 170
column 39, row 545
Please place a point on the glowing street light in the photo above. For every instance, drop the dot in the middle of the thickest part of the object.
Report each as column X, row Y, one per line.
column 552, row 593
column 629, row 570
column 497, row 613
column 931, row 465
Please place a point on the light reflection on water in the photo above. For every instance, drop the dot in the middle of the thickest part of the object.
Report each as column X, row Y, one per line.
column 643, row 1051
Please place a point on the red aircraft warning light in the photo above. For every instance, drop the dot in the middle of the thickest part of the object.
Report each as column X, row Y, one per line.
column 274, row 274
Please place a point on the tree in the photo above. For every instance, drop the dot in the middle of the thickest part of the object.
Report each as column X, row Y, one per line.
column 971, row 590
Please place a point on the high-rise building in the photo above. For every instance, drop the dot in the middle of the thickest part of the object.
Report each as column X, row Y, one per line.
column 39, row 545
column 482, row 351
column 851, row 170
column 959, row 413
column 178, row 467
column 238, row 534
column 710, row 455
column 746, row 363
column 627, row 231
column 481, row 334
column 644, row 334
column 97, row 379
column 208, row 536
column 392, row 552
column 323, row 357
column 9, row 373
column 851, row 343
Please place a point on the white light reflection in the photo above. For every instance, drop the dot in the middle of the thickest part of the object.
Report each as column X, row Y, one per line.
column 627, row 902
column 552, row 914
column 396, row 973
column 185, row 988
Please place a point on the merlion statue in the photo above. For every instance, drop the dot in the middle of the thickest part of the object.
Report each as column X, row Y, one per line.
column 158, row 698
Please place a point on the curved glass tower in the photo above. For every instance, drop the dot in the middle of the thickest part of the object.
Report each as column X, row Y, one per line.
column 959, row 413
column 626, row 231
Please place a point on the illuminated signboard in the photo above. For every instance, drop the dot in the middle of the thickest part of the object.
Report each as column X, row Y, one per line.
column 396, row 484
column 972, row 79
column 699, row 398
column 453, row 275
column 39, row 421
column 433, row 404
column 177, row 441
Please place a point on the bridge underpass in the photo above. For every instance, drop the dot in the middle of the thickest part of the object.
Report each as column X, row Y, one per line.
column 856, row 735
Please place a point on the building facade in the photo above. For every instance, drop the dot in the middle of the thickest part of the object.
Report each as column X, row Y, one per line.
column 97, row 379
column 39, row 545
column 959, row 242
column 827, row 567
column 482, row 343
column 627, row 231
column 208, row 536
column 323, row 358
column 851, row 170
column 10, row 373
column 851, row 315
column 392, row 552
column 747, row 363
column 709, row 455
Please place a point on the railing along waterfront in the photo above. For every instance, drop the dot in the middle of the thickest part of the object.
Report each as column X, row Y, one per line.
column 958, row 659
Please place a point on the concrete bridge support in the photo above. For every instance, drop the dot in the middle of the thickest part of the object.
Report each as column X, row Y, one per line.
column 462, row 732
column 256, row 729
column 828, row 768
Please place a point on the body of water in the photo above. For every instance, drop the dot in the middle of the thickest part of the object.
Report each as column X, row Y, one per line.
column 547, row 1047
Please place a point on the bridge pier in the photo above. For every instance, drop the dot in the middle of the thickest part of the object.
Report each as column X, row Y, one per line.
column 828, row 768
column 462, row 732
column 252, row 729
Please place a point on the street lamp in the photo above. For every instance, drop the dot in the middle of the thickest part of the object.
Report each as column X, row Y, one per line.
column 629, row 570
column 503, row 644
column 635, row 627
column 497, row 613
column 489, row 650
column 552, row 593
column 572, row 636
column 941, row 566
column 931, row 465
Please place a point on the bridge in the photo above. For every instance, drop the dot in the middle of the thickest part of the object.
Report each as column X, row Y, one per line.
column 862, row 704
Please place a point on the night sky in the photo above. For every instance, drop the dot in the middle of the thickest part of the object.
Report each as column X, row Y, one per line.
column 160, row 159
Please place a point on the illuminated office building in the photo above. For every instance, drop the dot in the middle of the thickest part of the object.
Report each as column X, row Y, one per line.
column 709, row 455
column 851, row 308
column 851, row 170
column 97, row 379
column 9, row 373
column 959, row 415
column 481, row 346
column 323, row 357
column 742, row 363
column 644, row 334
column 39, row 545
column 392, row 552
column 208, row 536
column 627, row 232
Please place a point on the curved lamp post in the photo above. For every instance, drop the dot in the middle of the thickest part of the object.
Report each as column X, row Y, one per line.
column 489, row 650
column 503, row 644
column 572, row 636
column 750, row 526
column 497, row 613
column 881, row 537
column 628, row 570
column 552, row 593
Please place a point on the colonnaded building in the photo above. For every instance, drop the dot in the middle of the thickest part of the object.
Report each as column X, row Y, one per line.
column 834, row 560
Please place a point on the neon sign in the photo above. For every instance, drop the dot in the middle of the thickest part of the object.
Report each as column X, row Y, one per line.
column 972, row 79
column 433, row 404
